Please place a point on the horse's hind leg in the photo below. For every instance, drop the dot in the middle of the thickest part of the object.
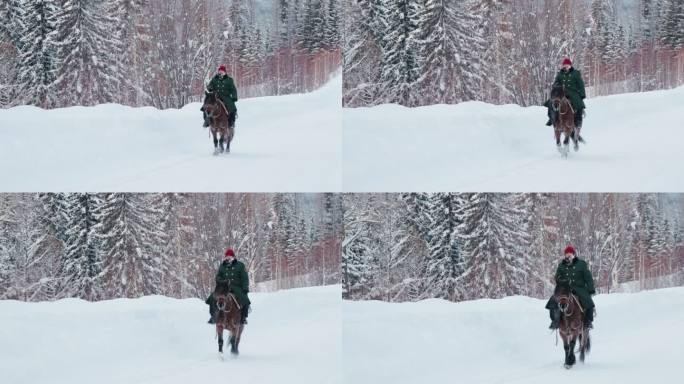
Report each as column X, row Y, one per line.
column 221, row 144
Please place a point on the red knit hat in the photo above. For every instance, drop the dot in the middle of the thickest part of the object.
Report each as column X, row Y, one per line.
column 222, row 68
column 229, row 252
column 569, row 249
column 567, row 61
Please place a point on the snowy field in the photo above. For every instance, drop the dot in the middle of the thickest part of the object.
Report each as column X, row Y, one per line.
column 285, row 143
column 292, row 337
column 634, row 144
column 637, row 338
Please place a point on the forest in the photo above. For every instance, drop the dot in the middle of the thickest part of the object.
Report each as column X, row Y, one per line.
column 60, row 53
column 413, row 246
column 104, row 246
column 422, row 52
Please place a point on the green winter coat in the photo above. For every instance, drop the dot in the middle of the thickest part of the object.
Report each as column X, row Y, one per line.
column 235, row 276
column 225, row 89
column 573, row 84
column 577, row 274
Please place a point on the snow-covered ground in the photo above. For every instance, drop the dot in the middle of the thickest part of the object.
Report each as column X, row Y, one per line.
column 637, row 338
column 292, row 337
column 286, row 144
column 634, row 144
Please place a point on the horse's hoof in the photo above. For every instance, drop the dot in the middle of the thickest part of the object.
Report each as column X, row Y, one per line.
column 567, row 366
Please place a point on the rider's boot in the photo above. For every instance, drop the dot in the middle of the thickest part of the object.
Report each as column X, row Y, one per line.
column 551, row 115
column 212, row 313
column 589, row 318
column 555, row 318
column 244, row 311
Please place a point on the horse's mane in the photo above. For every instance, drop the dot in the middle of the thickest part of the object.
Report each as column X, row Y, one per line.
column 563, row 287
column 209, row 98
column 557, row 92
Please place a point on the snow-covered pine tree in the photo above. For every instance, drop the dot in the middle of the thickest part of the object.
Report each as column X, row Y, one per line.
column 81, row 263
column 671, row 31
column 88, row 51
column 177, row 230
column 359, row 259
column 399, row 69
column 331, row 36
column 36, row 72
column 451, row 42
column 444, row 264
column 494, row 245
column 132, row 264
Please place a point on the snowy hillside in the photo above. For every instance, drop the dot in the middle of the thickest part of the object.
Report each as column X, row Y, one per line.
column 634, row 145
column 287, row 143
column 292, row 337
column 637, row 338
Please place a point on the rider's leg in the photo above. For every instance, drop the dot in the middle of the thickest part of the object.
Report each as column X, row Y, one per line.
column 231, row 119
column 554, row 313
column 550, row 112
column 578, row 123
column 244, row 311
column 212, row 309
column 589, row 317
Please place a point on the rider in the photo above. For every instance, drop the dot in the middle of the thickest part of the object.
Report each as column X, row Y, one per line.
column 576, row 272
column 570, row 80
column 231, row 277
column 224, row 86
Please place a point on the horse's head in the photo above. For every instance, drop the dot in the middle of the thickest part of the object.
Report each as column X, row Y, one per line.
column 221, row 302
column 562, row 295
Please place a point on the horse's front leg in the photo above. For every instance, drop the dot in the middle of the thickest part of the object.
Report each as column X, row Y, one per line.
column 219, row 332
column 216, row 142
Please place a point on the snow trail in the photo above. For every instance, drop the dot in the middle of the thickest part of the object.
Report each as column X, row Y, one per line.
column 637, row 338
column 634, row 144
column 287, row 143
column 293, row 336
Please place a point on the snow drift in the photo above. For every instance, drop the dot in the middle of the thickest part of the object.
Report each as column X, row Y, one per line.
column 634, row 144
column 287, row 143
column 637, row 338
column 292, row 337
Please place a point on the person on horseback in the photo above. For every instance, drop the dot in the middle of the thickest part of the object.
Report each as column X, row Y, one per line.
column 570, row 81
column 231, row 277
column 224, row 87
column 574, row 272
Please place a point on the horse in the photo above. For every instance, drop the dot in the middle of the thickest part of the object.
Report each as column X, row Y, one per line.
column 219, row 122
column 565, row 122
column 228, row 317
column 572, row 327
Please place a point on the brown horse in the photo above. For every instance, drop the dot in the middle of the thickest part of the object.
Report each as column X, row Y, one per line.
column 572, row 327
column 565, row 122
column 228, row 317
column 219, row 122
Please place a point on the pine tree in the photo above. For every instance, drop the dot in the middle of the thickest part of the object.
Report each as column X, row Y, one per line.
column 672, row 27
column 36, row 74
column 129, row 236
column 451, row 41
column 88, row 48
column 494, row 241
column 81, row 264
column 399, row 63
column 444, row 264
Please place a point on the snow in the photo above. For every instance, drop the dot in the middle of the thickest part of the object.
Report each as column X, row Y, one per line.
column 636, row 338
column 633, row 145
column 287, row 143
column 292, row 337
